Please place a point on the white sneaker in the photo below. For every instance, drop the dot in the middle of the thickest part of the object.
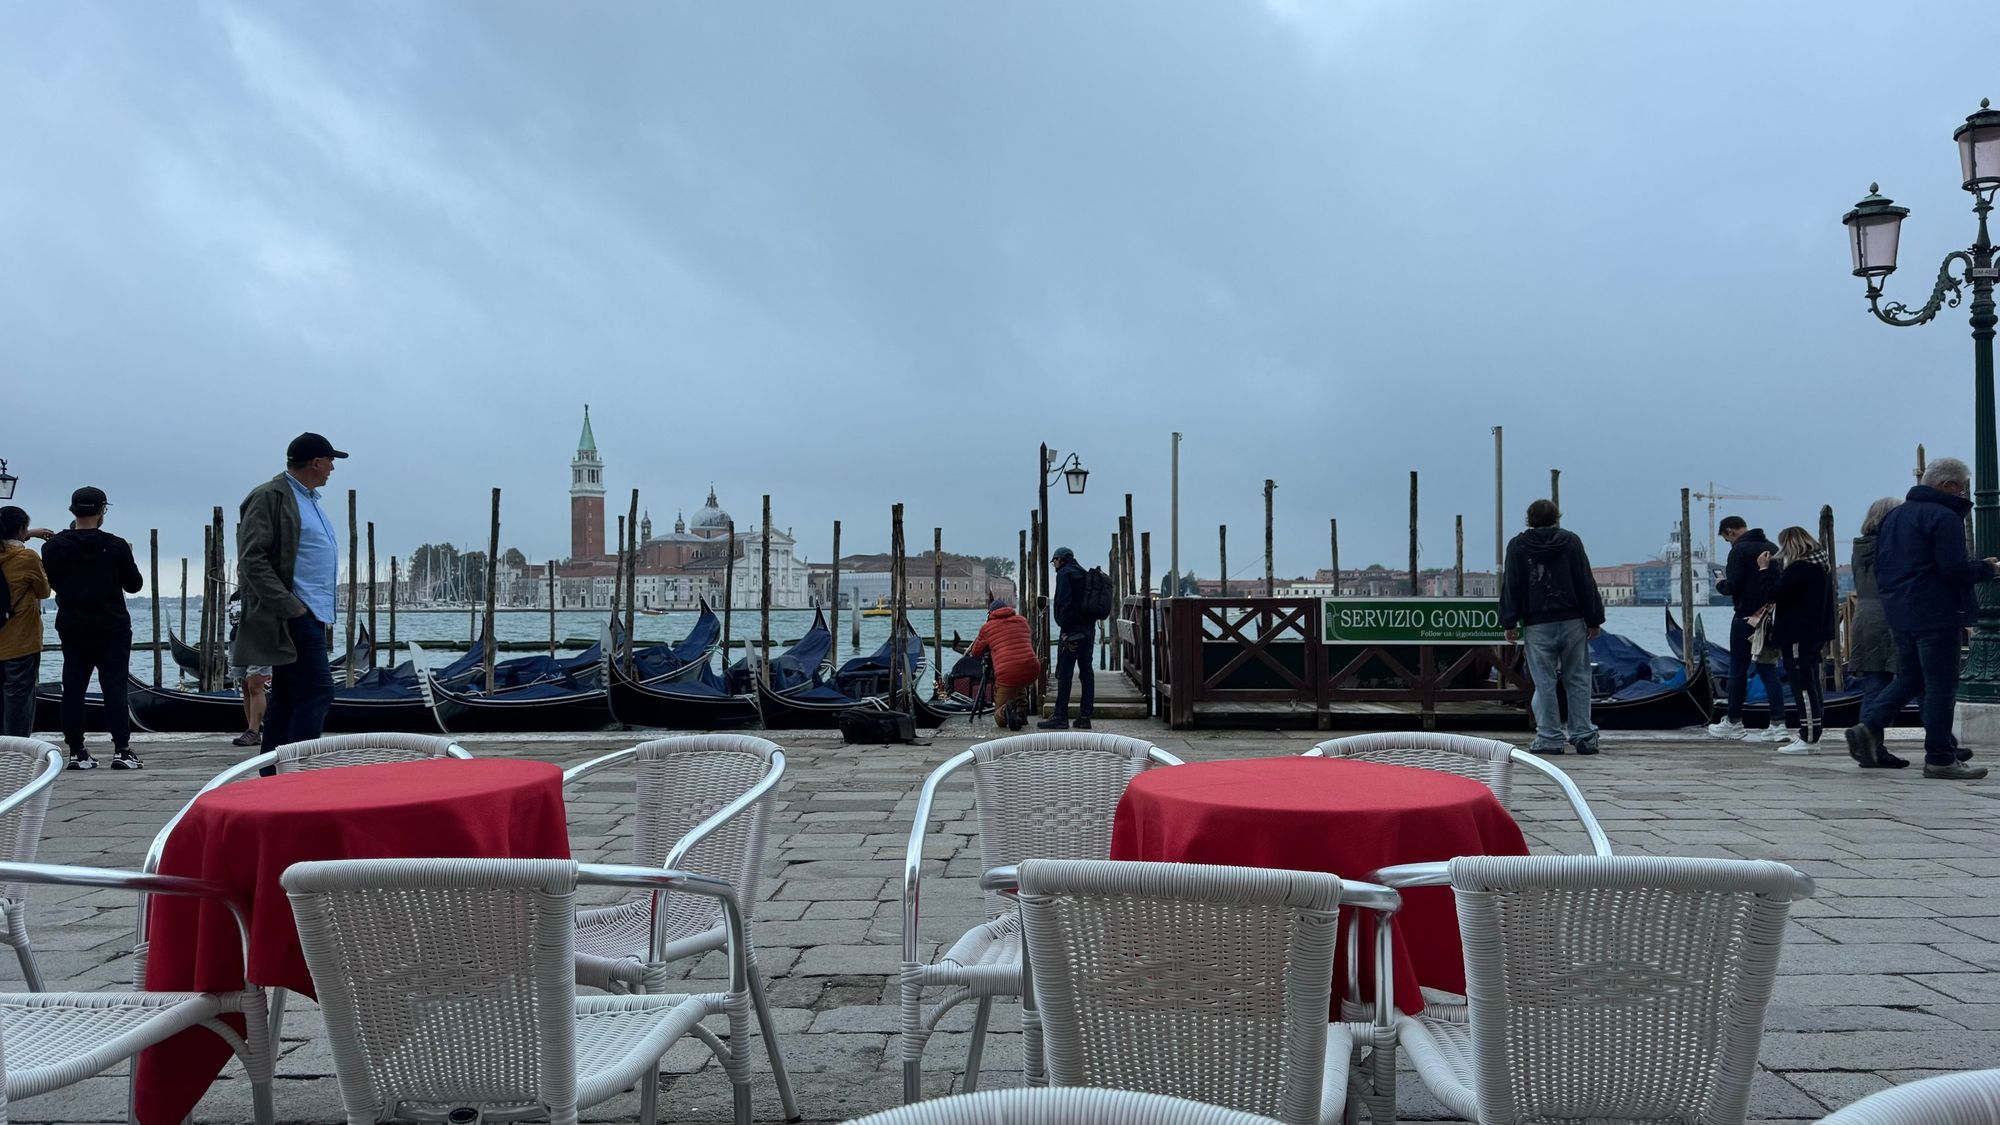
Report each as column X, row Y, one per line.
column 1769, row 734
column 1798, row 746
column 1725, row 729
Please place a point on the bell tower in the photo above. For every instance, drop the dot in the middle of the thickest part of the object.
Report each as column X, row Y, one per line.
column 586, row 498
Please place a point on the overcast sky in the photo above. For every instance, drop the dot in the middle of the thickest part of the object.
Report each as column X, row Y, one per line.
column 851, row 254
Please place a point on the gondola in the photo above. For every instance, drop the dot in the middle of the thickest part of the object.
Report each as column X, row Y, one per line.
column 365, row 708
column 1841, row 709
column 799, row 666
column 188, row 658
column 929, row 714
column 48, row 709
column 817, row 705
column 873, row 674
column 546, row 706
column 695, row 703
column 1637, row 690
column 684, row 660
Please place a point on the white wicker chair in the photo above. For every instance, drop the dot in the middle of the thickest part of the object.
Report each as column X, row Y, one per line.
column 1048, row 796
column 316, row 754
column 451, row 983
column 1971, row 1098
column 1201, row 982
column 1485, row 760
column 1627, row 988
column 28, row 770
column 1078, row 1106
column 702, row 804
column 57, row 1039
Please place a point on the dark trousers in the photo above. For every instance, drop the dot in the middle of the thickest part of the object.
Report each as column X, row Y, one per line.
column 17, row 694
column 1926, row 666
column 1802, row 664
column 1073, row 656
column 108, row 653
column 1741, row 668
column 301, row 691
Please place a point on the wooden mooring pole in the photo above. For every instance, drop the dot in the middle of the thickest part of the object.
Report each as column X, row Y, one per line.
column 184, row 596
column 632, row 588
column 1222, row 551
column 374, row 638
column 1556, row 488
column 203, row 641
column 1333, row 541
column 353, row 586
column 728, row 596
column 153, row 588
column 1833, row 583
column 937, row 613
column 1459, row 522
column 833, row 593
column 392, row 610
column 1687, row 585
column 764, row 598
column 1270, row 566
column 492, row 576
column 1415, row 589
column 549, row 572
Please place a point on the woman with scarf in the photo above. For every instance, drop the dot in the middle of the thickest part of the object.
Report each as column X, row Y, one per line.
column 1800, row 590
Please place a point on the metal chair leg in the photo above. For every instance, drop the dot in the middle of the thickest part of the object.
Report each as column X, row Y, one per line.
column 277, row 1016
column 913, row 1082
column 769, row 1029
column 30, row 972
column 649, row 1095
column 978, row 1047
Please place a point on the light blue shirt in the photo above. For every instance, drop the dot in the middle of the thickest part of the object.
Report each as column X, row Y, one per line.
column 316, row 574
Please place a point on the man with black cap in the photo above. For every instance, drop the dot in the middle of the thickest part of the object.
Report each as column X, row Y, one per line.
column 288, row 566
column 1078, row 629
column 91, row 571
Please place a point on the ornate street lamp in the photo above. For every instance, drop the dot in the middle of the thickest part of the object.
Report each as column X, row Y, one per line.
column 1074, row 475
column 7, row 481
column 1874, row 227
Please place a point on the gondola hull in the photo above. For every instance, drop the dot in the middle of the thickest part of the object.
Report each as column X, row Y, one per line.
column 929, row 714
column 48, row 710
column 1671, row 709
column 671, row 706
column 189, row 712
column 795, row 711
column 538, row 707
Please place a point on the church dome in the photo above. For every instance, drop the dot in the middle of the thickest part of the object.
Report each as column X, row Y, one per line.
column 711, row 519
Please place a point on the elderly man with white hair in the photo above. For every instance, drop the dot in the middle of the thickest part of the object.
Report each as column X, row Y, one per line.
column 1927, row 580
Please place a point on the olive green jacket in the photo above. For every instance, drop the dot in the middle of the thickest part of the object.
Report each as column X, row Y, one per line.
column 267, row 550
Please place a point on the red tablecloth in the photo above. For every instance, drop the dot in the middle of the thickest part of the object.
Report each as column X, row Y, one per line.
column 1327, row 814
column 244, row 835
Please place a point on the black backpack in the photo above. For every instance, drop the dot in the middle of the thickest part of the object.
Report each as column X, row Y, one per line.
column 1097, row 599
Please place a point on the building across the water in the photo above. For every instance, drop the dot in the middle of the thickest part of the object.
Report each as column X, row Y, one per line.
column 676, row 569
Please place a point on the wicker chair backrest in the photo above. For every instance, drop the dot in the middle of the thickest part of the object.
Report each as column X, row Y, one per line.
column 1627, row 988
column 339, row 750
column 1485, row 760
column 22, row 761
column 1199, row 982
column 683, row 781
column 444, row 982
column 1050, row 796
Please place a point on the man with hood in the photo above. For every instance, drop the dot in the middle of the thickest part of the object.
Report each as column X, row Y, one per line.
column 1927, row 581
column 1078, row 629
column 91, row 571
column 1549, row 598
column 1004, row 640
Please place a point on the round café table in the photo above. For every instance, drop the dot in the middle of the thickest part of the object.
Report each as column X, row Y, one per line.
column 1343, row 817
column 245, row 834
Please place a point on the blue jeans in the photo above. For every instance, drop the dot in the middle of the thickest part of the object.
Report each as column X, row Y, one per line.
column 1073, row 655
column 17, row 694
column 1559, row 654
column 1926, row 666
column 302, row 691
column 1741, row 668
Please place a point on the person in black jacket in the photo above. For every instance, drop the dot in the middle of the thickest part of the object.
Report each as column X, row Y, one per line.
column 1744, row 584
column 91, row 571
column 1077, row 630
column 1800, row 593
column 1927, row 581
column 1548, row 593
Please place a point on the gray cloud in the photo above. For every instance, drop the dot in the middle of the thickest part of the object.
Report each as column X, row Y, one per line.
column 854, row 254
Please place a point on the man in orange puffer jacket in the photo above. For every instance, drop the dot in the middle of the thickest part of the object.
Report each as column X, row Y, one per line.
column 1004, row 639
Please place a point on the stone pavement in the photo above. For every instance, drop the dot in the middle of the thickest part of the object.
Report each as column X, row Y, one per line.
column 1887, row 975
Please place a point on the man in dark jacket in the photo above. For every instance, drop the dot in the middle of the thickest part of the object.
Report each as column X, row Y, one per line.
column 288, row 558
column 1548, row 593
column 1077, row 630
column 1745, row 586
column 1927, row 582
column 91, row 571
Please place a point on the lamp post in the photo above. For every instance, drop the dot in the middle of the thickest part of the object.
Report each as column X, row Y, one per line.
column 1874, row 227
column 7, row 481
column 1074, row 477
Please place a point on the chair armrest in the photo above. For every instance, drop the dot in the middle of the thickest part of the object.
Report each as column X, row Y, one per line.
column 1600, row 844
column 578, row 773
column 1003, row 880
column 1164, row 758
column 52, row 768
column 143, row 882
column 658, row 879
column 913, row 854
column 1403, row 875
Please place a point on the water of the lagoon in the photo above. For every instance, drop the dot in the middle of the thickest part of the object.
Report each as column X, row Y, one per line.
column 1644, row 625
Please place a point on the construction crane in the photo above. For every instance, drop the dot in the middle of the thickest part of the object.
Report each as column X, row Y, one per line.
column 1712, row 496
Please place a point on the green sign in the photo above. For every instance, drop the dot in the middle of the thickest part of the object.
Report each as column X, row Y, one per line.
column 1410, row 621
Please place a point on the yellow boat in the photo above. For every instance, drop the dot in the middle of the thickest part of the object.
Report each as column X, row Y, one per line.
column 879, row 609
